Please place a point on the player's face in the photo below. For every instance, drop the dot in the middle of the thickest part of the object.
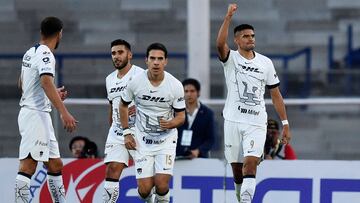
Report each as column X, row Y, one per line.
column 156, row 62
column 58, row 39
column 191, row 94
column 245, row 39
column 121, row 56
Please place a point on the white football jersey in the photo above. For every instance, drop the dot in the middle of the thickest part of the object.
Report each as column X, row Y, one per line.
column 114, row 87
column 152, row 104
column 246, row 81
column 38, row 60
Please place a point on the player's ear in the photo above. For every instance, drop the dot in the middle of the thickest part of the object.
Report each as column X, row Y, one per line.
column 235, row 40
column 130, row 55
column 60, row 35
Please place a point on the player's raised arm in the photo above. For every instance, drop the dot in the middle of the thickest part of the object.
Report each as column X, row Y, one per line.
column 47, row 83
column 221, row 41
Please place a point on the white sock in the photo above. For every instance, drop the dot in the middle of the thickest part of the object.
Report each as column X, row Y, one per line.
column 56, row 188
column 149, row 198
column 162, row 199
column 248, row 189
column 237, row 190
column 22, row 189
column 111, row 191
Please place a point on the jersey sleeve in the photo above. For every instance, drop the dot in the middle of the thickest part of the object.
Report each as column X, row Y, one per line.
column 228, row 62
column 46, row 62
column 179, row 101
column 272, row 78
column 128, row 94
column 107, row 83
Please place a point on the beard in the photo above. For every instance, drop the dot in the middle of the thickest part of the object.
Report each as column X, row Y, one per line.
column 121, row 65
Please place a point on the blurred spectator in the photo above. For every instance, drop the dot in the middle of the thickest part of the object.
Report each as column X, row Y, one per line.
column 196, row 136
column 274, row 149
column 77, row 145
column 90, row 150
column 82, row 147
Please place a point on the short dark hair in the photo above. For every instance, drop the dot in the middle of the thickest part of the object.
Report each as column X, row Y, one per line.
column 192, row 81
column 76, row 138
column 121, row 42
column 51, row 26
column 156, row 46
column 243, row 27
column 90, row 149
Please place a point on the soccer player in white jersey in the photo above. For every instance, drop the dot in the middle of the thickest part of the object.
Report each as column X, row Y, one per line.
column 247, row 74
column 38, row 142
column 116, row 154
column 160, row 109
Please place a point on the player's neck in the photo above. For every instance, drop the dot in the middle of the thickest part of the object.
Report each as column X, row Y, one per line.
column 247, row 54
column 156, row 79
column 49, row 43
column 123, row 71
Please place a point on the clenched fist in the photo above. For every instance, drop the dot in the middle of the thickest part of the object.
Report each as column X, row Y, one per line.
column 231, row 9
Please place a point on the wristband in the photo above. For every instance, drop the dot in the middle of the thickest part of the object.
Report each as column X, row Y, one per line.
column 285, row 122
column 127, row 131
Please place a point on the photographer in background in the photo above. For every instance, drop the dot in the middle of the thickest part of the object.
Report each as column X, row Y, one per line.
column 274, row 148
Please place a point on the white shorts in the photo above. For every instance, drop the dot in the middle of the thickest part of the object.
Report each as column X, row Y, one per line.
column 149, row 163
column 242, row 140
column 116, row 153
column 37, row 135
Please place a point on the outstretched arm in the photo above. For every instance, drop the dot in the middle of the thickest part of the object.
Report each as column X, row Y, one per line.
column 47, row 83
column 221, row 41
column 279, row 105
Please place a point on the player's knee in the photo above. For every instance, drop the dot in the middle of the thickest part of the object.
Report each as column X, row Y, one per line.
column 55, row 165
column 113, row 170
column 162, row 189
column 250, row 168
column 161, row 186
column 144, row 192
column 28, row 166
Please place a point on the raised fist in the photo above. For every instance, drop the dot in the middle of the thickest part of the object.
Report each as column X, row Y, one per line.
column 231, row 9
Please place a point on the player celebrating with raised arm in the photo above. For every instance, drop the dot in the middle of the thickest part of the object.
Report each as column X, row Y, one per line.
column 247, row 73
column 116, row 154
column 38, row 142
column 160, row 109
